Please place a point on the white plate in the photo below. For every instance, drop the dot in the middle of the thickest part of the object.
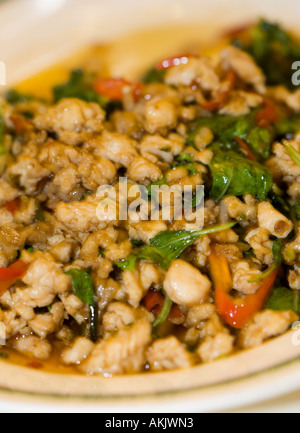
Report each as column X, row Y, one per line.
column 37, row 33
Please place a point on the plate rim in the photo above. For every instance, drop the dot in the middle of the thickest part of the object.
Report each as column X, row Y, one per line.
column 270, row 356
column 227, row 396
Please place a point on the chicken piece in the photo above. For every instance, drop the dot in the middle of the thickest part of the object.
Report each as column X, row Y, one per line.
column 155, row 147
column 80, row 216
column 45, row 280
column 198, row 71
column 146, row 230
column 259, row 240
column 160, row 114
column 168, row 354
column 132, row 287
column 215, row 347
column 241, row 103
column 33, row 347
column 115, row 147
column 118, row 315
column 242, row 274
column 244, row 211
column 7, row 192
column 46, row 324
column 141, row 169
column 73, row 120
column 120, row 354
column 78, row 352
column 74, row 307
column 29, row 173
column 264, row 325
column 185, row 285
column 245, row 67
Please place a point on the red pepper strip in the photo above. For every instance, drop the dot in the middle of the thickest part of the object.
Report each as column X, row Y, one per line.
column 245, row 148
column 13, row 206
column 182, row 59
column 154, row 302
column 236, row 312
column 221, row 99
column 112, row 88
column 267, row 115
column 8, row 276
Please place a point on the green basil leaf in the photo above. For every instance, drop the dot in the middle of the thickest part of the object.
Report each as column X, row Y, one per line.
column 273, row 49
column 296, row 210
column 79, row 86
column 236, row 175
column 83, row 287
column 293, row 154
column 14, row 97
column 227, row 128
column 283, row 299
column 168, row 246
column 278, row 258
column 154, row 76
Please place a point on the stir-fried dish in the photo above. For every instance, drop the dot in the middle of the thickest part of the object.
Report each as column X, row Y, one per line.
column 119, row 296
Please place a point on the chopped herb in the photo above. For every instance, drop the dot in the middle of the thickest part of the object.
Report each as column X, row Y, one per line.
column 226, row 129
column 14, row 97
column 296, row 210
column 184, row 157
column 127, row 264
column 274, row 50
column 168, row 246
column 85, row 195
column 276, row 197
column 136, row 243
column 30, row 250
column 287, row 127
column 154, row 76
column 186, row 161
column 191, row 168
column 160, row 182
column 278, row 258
column 4, row 355
column 83, row 287
column 198, row 198
column 292, row 152
column 289, row 254
column 249, row 254
column 39, row 215
column 283, row 299
column 102, row 252
column 164, row 313
column 79, row 86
